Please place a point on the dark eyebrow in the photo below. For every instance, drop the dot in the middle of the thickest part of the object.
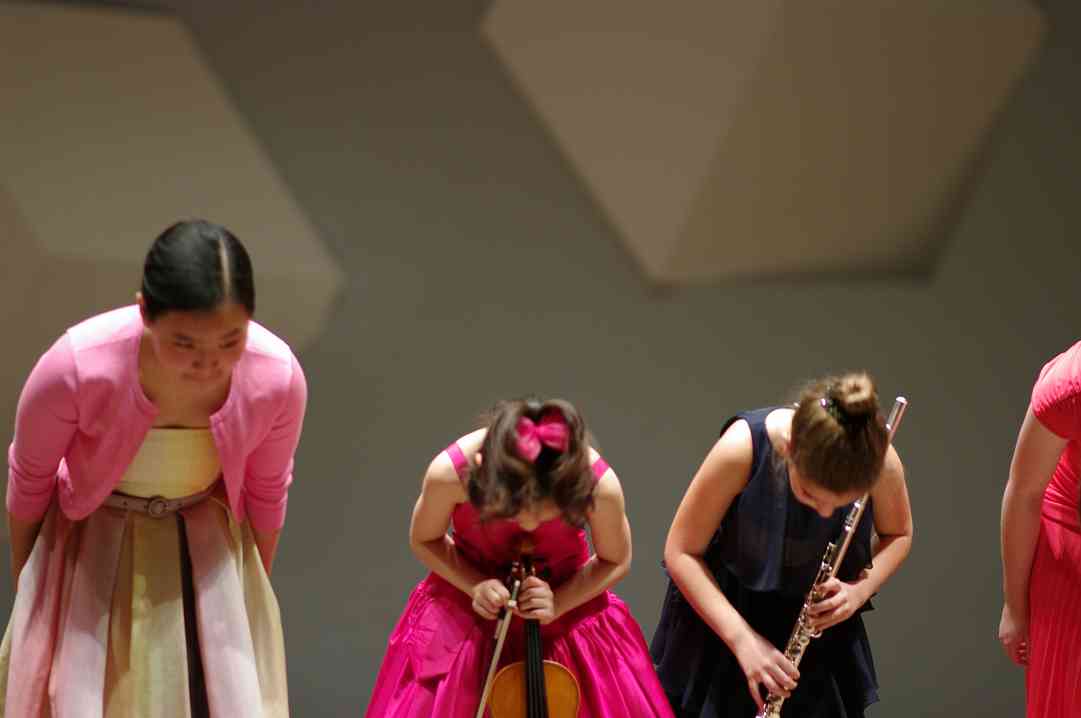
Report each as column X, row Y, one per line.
column 231, row 334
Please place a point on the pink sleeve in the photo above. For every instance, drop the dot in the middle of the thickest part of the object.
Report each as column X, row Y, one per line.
column 45, row 423
column 461, row 464
column 1056, row 397
column 270, row 466
column 600, row 467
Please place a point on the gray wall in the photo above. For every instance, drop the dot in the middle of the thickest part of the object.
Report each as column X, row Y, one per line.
column 479, row 269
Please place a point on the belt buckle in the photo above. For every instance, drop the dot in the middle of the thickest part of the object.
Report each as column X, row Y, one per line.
column 157, row 506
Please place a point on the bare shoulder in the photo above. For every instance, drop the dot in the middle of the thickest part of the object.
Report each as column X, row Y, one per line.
column 441, row 471
column 890, row 485
column 470, row 443
column 734, row 451
column 441, row 482
column 724, row 473
column 442, row 476
column 778, row 427
column 608, row 491
column 893, row 470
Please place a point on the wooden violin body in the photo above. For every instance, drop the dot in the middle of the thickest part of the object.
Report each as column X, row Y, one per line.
column 533, row 687
column 510, row 693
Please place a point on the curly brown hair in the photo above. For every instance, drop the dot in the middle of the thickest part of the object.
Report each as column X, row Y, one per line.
column 839, row 438
column 505, row 483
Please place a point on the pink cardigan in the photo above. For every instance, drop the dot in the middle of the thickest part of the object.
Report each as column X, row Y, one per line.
column 83, row 415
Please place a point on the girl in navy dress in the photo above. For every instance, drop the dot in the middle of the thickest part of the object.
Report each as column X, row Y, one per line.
column 745, row 547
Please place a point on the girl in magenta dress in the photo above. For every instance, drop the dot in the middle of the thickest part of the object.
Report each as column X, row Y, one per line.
column 530, row 473
column 1041, row 543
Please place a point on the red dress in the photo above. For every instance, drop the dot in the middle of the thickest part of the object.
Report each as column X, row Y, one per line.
column 1053, row 679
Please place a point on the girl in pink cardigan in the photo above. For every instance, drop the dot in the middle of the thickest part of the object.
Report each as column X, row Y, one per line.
column 147, row 485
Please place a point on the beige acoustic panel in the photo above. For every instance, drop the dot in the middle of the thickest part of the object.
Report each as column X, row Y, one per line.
column 113, row 128
column 23, row 323
column 732, row 139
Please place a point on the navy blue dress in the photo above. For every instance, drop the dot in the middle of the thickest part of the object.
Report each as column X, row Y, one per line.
column 765, row 556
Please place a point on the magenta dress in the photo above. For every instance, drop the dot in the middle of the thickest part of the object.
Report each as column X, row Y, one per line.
column 438, row 654
column 1053, row 678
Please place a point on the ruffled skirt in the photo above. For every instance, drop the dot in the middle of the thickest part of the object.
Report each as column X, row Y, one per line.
column 101, row 627
column 438, row 655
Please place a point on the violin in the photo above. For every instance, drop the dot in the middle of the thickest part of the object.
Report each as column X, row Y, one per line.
column 533, row 687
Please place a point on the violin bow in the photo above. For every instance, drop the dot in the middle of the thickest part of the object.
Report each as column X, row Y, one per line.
column 500, row 637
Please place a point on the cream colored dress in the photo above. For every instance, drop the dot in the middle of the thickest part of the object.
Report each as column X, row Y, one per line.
column 98, row 626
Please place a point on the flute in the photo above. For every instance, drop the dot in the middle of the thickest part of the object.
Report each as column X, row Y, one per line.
column 831, row 562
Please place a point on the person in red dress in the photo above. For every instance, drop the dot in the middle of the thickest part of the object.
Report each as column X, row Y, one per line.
column 1041, row 543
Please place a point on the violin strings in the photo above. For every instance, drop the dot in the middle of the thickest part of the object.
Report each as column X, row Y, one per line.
column 538, row 699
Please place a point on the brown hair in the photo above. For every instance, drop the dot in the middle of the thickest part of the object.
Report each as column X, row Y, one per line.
column 838, row 437
column 506, row 483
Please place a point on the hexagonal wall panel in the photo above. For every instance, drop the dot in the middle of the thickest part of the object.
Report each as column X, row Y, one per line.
column 114, row 128
column 735, row 139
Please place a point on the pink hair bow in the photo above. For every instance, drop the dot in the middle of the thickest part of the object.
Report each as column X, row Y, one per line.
column 551, row 431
